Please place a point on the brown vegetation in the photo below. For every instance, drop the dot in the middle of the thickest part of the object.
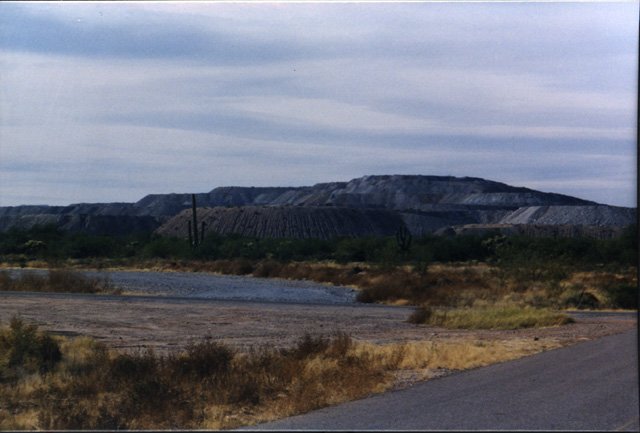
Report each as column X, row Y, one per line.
column 208, row 385
column 489, row 317
column 457, row 285
column 55, row 280
column 451, row 285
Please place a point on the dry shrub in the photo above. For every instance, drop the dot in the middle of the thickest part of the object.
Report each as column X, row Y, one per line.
column 61, row 280
column 600, row 290
column 420, row 315
column 231, row 267
column 25, row 350
column 203, row 359
column 211, row 386
column 268, row 268
column 93, row 388
column 56, row 280
column 489, row 317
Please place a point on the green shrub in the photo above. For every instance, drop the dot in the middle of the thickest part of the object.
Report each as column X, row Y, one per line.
column 164, row 248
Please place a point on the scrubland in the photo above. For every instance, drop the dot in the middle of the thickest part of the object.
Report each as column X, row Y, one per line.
column 456, row 272
column 51, row 382
column 56, row 280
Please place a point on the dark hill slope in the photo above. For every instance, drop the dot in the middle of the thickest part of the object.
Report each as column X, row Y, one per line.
column 288, row 222
column 425, row 204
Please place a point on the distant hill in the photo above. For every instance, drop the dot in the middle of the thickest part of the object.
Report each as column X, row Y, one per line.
column 288, row 222
column 370, row 205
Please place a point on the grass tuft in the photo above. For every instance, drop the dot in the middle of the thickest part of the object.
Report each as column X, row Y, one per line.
column 489, row 317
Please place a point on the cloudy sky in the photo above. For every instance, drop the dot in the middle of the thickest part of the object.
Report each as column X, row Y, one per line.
column 112, row 101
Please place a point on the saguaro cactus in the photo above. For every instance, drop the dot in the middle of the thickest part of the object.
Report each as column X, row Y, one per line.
column 190, row 234
column 195, row 221
column 403, row 238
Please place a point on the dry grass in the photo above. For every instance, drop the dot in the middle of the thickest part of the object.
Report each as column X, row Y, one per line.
column 212, row 386
column 55, row 280
column 489, row 317
column 600, row 290
column 455, row 355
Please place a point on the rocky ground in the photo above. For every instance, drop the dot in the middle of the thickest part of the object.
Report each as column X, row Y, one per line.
column 168, row 324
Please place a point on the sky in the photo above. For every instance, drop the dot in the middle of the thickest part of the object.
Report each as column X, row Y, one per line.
column 111, row 101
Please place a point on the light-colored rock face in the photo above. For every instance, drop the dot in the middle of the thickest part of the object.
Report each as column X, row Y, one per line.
column 92, row 224
column 391, row 192
column 599, row 215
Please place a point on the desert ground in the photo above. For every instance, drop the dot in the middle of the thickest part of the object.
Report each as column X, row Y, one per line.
column 168, row 324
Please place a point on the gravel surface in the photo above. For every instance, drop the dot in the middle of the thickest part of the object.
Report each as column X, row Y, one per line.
column 223, row 287
column 169, row 323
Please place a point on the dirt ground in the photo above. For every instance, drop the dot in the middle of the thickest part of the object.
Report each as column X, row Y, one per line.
column 128, row 322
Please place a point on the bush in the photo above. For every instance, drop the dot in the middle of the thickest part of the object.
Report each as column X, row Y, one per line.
column 164, row 248
column 267, row 268
column 204, row 359
column 56, row 280
column 623, row 296
column 67, row 281
column 309, row 346
column 84, row 246
column 24, row 349
column 421, row 315
column 134, row 366
column 580, row 299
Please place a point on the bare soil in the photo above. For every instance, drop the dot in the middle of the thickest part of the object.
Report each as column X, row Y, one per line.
column 169, row 324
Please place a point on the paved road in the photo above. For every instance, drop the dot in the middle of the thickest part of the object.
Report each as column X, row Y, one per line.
column 588, row 386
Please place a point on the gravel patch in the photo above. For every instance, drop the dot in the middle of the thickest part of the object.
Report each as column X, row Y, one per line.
column 203, row 285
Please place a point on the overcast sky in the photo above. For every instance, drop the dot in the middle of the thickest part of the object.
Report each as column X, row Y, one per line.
column 111, row 101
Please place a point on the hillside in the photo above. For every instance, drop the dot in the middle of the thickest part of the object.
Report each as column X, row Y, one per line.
column 424, row 204
column 394, row 192
column 288, row 222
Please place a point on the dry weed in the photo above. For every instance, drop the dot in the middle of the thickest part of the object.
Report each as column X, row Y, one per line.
column 211, row 386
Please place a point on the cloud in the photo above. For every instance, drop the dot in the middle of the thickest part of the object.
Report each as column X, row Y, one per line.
column 135, row 98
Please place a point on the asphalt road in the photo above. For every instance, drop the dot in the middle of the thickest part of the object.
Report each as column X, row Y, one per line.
column 588, row 386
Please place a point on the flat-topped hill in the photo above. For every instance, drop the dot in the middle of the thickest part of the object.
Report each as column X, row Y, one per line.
column 424, row 204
